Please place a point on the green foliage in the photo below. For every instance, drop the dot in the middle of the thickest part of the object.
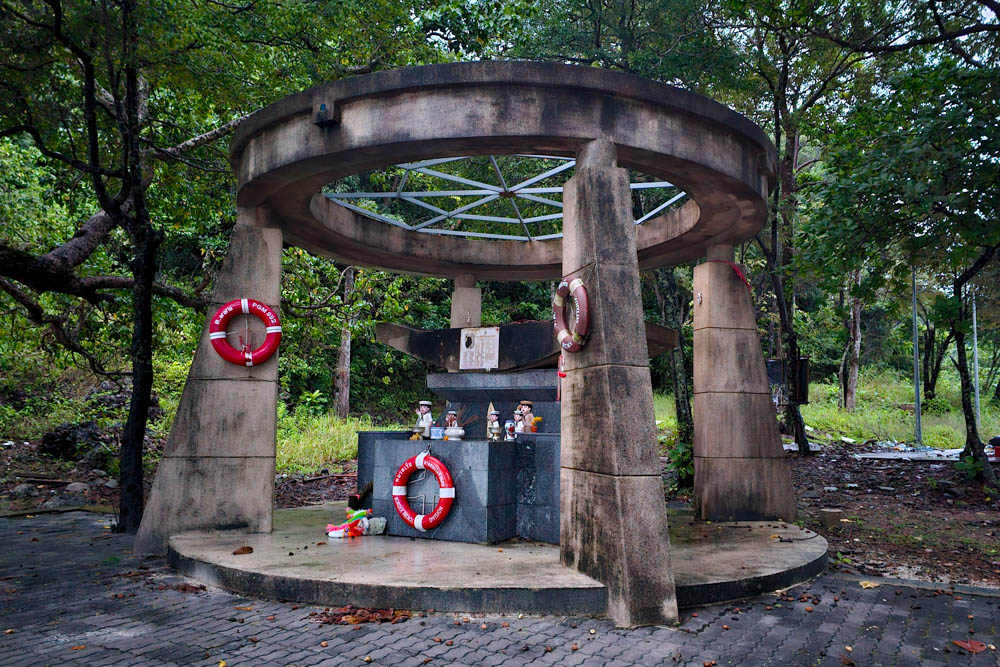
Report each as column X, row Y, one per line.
column 309, row 442
column 970, row 466
column 879, row 414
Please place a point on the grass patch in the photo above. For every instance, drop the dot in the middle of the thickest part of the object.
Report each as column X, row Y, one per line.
column 878, row 414
column 308, row 442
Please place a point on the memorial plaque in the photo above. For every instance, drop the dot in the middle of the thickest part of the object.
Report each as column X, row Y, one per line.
column 479, row 349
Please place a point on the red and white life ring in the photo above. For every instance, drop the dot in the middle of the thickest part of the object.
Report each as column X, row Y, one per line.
column 423, row 522
column 217, row 332
column 571, row 338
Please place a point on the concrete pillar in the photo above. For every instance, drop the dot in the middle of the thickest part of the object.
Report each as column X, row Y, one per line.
column 739, row 462
column 466, row 303
column 613, row 519
column 217, row 472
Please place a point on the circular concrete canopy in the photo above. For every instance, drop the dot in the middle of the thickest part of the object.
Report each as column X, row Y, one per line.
column 287, row 152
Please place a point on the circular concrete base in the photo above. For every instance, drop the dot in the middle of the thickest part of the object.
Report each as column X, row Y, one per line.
column 711, row 563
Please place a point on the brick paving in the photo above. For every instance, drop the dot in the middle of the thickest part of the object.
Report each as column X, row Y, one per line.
column 74, row 595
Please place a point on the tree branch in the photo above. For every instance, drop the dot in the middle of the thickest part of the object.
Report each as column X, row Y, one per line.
column 56, row 325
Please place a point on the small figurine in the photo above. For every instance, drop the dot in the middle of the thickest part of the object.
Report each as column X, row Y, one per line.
column 451, row 419
column 508, row 430
column 518, row 421
column 422, row 429
column 493, row 428
column 526, row 414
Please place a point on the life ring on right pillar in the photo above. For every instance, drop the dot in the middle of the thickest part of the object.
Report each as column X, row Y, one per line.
column 571, row 337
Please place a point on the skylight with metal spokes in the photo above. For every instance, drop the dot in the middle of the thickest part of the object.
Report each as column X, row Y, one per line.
column 511, row 197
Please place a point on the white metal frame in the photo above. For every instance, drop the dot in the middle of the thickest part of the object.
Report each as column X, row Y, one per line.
column 486, row 193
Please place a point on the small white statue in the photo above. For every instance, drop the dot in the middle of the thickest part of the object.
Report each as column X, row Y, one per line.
column 493, row 427
column 424, row 420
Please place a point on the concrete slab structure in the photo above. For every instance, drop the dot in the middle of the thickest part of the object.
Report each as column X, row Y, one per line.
column 739, row 461
column 613, row 518
column 217, row 475
column 712, row 563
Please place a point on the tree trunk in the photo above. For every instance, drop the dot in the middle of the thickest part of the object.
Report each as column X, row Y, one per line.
column 973, row 444
column 133, row 436
column 852, row 354
column 931, row 379
column 342, row 384
column 670, row 301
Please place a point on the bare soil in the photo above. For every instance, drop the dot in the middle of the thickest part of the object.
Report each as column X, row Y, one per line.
column 914, row 520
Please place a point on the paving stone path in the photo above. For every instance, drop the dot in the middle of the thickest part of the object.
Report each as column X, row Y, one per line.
column 73, row 594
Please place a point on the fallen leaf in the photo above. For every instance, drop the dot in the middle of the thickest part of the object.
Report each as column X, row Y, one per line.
column 548, row 649
column 449, row 643
column 242, row 551
column 708, row 663
column 809, row 609
column 78, row 648
column 368, row 658
column 574, row 647
column 270, row 618
column 482, row 627
column 970, row 645
column 436, row 640
column 244, row 608
column 222, row 663
column 775, row 537
column 870, row 584
column 9, row 631
column 252, row 640
column 426, row 660
column 505, row 624
column 725, row 627
column 847, row 662
column 848, row 648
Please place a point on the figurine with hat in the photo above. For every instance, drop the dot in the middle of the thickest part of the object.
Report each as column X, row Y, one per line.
column 424, row 420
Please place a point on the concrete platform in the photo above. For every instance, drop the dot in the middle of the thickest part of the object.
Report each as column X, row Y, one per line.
column 712, row 562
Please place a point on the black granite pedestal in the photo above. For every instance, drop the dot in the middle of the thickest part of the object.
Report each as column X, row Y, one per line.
column 502, row 489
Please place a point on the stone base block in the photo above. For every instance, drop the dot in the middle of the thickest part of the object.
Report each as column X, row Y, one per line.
column 736, row 425
column 225, row 418
column 216, row 494
column 614, row 529
column 620, row 446
column 730, row 362
column 743, row 489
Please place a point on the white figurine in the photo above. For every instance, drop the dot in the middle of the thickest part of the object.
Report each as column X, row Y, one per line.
column 493, row 427
column 424, row 419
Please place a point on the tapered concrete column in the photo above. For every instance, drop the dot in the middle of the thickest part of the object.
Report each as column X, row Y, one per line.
column 739, row 462
column 217, row 472
column 466, row 303
column 613, row 519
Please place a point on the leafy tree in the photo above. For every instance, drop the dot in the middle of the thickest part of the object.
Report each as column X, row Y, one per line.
column 916, row 169
column 119, row 99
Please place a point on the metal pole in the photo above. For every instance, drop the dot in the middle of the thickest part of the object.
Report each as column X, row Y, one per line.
column 975, row 358
column 916, row 360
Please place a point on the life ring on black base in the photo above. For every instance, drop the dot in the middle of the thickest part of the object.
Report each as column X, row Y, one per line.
column 245, row 357
column 423, row 522
column 571, row 338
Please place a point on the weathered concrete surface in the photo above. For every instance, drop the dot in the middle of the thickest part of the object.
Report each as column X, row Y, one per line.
column 712, row 563
column 383, row 571
column 466, row 303
column 282, row 156
column 739, row 463
column 613, row 522
column 217, row 471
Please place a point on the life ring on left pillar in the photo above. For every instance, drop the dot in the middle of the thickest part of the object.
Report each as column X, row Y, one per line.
column 423, row 522
column 246, row 356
